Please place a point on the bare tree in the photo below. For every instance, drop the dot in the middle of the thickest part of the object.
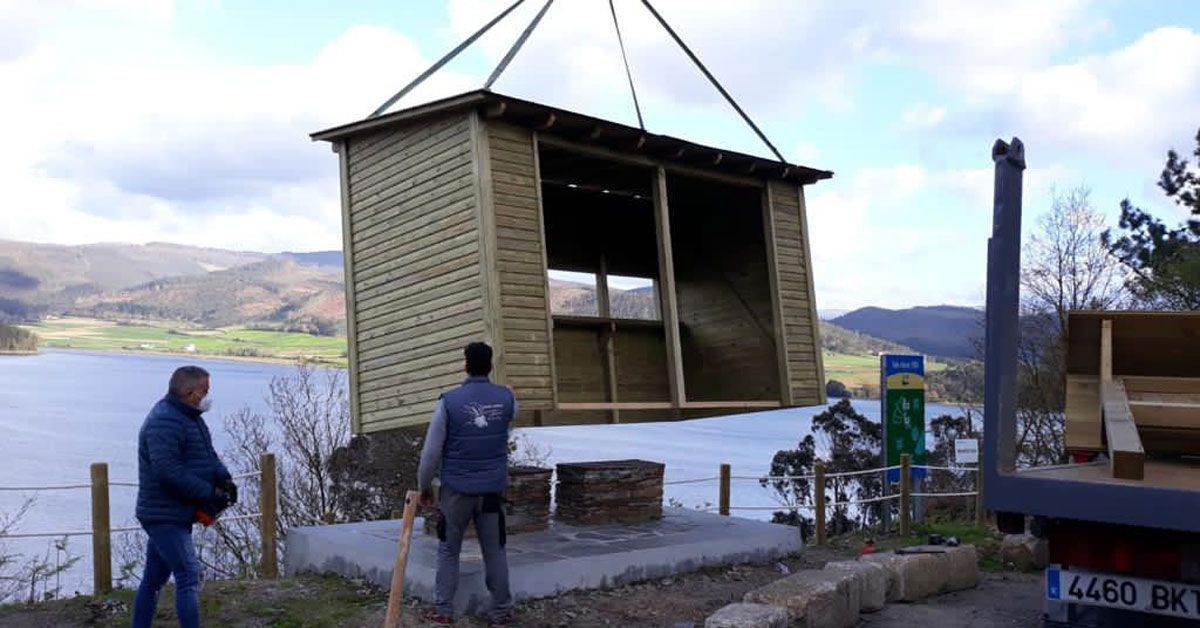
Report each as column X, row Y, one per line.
column 1067, row 267
column 32, row 578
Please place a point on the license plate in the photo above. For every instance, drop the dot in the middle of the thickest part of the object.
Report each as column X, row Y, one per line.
column 1136, row 594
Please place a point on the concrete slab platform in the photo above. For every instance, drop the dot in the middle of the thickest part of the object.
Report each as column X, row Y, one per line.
column 545, row 563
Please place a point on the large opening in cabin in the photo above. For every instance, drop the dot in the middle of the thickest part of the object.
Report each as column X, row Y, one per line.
column 606, row 285
column 723, row 287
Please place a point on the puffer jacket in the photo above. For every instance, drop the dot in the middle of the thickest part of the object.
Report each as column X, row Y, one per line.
column 177, row 465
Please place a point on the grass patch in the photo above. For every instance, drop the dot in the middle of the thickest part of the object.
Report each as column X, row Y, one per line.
column 862, row 370
column 986, row 540
column 170, row 337
column 287, row 603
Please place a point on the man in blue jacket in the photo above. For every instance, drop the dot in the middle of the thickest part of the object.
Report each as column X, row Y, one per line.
column 180, row 480
column 468, row 441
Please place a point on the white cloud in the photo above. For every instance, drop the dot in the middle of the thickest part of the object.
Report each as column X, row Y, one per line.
column 974, row 187
column 1128, row 105
column 983, row 47
column 922, row 117
column 851, row 252
column 120, row 145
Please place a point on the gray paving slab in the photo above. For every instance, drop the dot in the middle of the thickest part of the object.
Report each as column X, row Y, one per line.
column 548, row 562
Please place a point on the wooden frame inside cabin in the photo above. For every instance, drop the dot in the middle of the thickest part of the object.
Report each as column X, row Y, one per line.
column 455, row 212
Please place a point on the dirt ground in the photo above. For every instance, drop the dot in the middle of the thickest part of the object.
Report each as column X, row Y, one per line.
column 1001, row 600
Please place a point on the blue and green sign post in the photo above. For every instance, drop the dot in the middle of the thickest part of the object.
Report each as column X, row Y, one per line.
column 903, row 398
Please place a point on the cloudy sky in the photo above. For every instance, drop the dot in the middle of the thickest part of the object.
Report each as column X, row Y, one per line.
column 151, row 120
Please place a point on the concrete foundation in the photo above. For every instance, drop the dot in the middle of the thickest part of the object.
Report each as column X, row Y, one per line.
column 548, row 562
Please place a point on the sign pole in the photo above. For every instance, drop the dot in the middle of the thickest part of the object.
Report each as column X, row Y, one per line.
column 902, row 404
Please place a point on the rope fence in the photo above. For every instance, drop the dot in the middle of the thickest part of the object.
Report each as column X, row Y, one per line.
column 819, row 478
column 102, row 531
column 813, row 476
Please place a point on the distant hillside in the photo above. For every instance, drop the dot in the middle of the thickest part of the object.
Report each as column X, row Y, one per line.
column 568, row 297
column 331, row 260
column 37, row 279
column 944, row 330
column 277, row 293
column 837, row 339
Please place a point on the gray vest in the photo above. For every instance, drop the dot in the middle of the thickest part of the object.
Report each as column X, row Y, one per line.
column 475, row 456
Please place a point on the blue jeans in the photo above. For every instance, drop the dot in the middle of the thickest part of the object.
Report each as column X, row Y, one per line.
column 169, row 552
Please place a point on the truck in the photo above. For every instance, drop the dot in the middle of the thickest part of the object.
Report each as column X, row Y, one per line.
column 1121, row 520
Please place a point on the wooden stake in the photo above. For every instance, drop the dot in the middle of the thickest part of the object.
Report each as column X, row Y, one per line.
column 266, row 522
column 396, row 596
column 101, row 534
column 723, row 497
column 905, row 490
column 819, row 501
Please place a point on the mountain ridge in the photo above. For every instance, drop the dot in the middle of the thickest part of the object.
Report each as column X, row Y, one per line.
column 949, row 331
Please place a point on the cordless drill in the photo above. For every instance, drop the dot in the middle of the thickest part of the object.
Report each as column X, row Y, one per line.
column 224, row 496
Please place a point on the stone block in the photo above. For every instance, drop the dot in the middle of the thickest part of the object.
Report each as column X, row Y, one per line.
column 614, row 491
column 527, row 501
column 1024, row 552
column 526, row 505
column 813, row 598
column 748, row 616
column 871, row 580
column 911, row 577
column 959, row 565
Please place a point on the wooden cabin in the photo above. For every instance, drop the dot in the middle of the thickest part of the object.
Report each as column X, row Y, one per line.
column 1133, row 391
column 455, row 212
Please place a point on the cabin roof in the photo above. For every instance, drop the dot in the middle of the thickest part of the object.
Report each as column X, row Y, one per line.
column 585, row 129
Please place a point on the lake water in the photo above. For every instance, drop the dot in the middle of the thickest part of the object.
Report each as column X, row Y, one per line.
column 60, row 411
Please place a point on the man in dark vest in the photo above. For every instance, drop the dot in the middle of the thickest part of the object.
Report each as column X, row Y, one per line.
column 468, row 441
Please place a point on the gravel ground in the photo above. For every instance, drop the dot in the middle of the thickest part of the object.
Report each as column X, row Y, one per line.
column 1001, row 600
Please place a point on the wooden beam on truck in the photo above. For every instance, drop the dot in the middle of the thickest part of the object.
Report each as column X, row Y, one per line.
column 1084, row 425
column 1125, row 453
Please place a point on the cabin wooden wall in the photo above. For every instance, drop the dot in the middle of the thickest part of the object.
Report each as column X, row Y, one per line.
column 520, row 260
column 412, row 243
column 796, row 303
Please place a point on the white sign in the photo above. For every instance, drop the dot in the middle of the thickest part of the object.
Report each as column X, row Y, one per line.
column 966, row 451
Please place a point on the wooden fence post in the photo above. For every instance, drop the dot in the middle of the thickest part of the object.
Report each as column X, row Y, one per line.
column 723, row 497
column 905, row 490
column 819, row 501
column 101, row 531
column 266, row 521
column 980, row 513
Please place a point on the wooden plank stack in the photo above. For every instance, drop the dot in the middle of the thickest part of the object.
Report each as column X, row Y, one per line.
column 1133, row 386
column 614, row 491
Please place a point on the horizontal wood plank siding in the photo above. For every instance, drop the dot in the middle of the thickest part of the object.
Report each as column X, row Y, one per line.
column 415, row 254
column 520, row 262
column 791, row 255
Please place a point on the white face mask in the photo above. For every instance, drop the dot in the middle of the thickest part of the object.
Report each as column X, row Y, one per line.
column 205, row 404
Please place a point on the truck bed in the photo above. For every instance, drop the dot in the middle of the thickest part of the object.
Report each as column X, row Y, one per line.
column 1162, row 473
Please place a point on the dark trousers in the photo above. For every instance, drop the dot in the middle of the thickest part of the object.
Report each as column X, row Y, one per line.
column 169, row 552
column 459, row 511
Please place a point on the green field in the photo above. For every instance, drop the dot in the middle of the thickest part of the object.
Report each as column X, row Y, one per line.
column 856, row 371
column 163, row 337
